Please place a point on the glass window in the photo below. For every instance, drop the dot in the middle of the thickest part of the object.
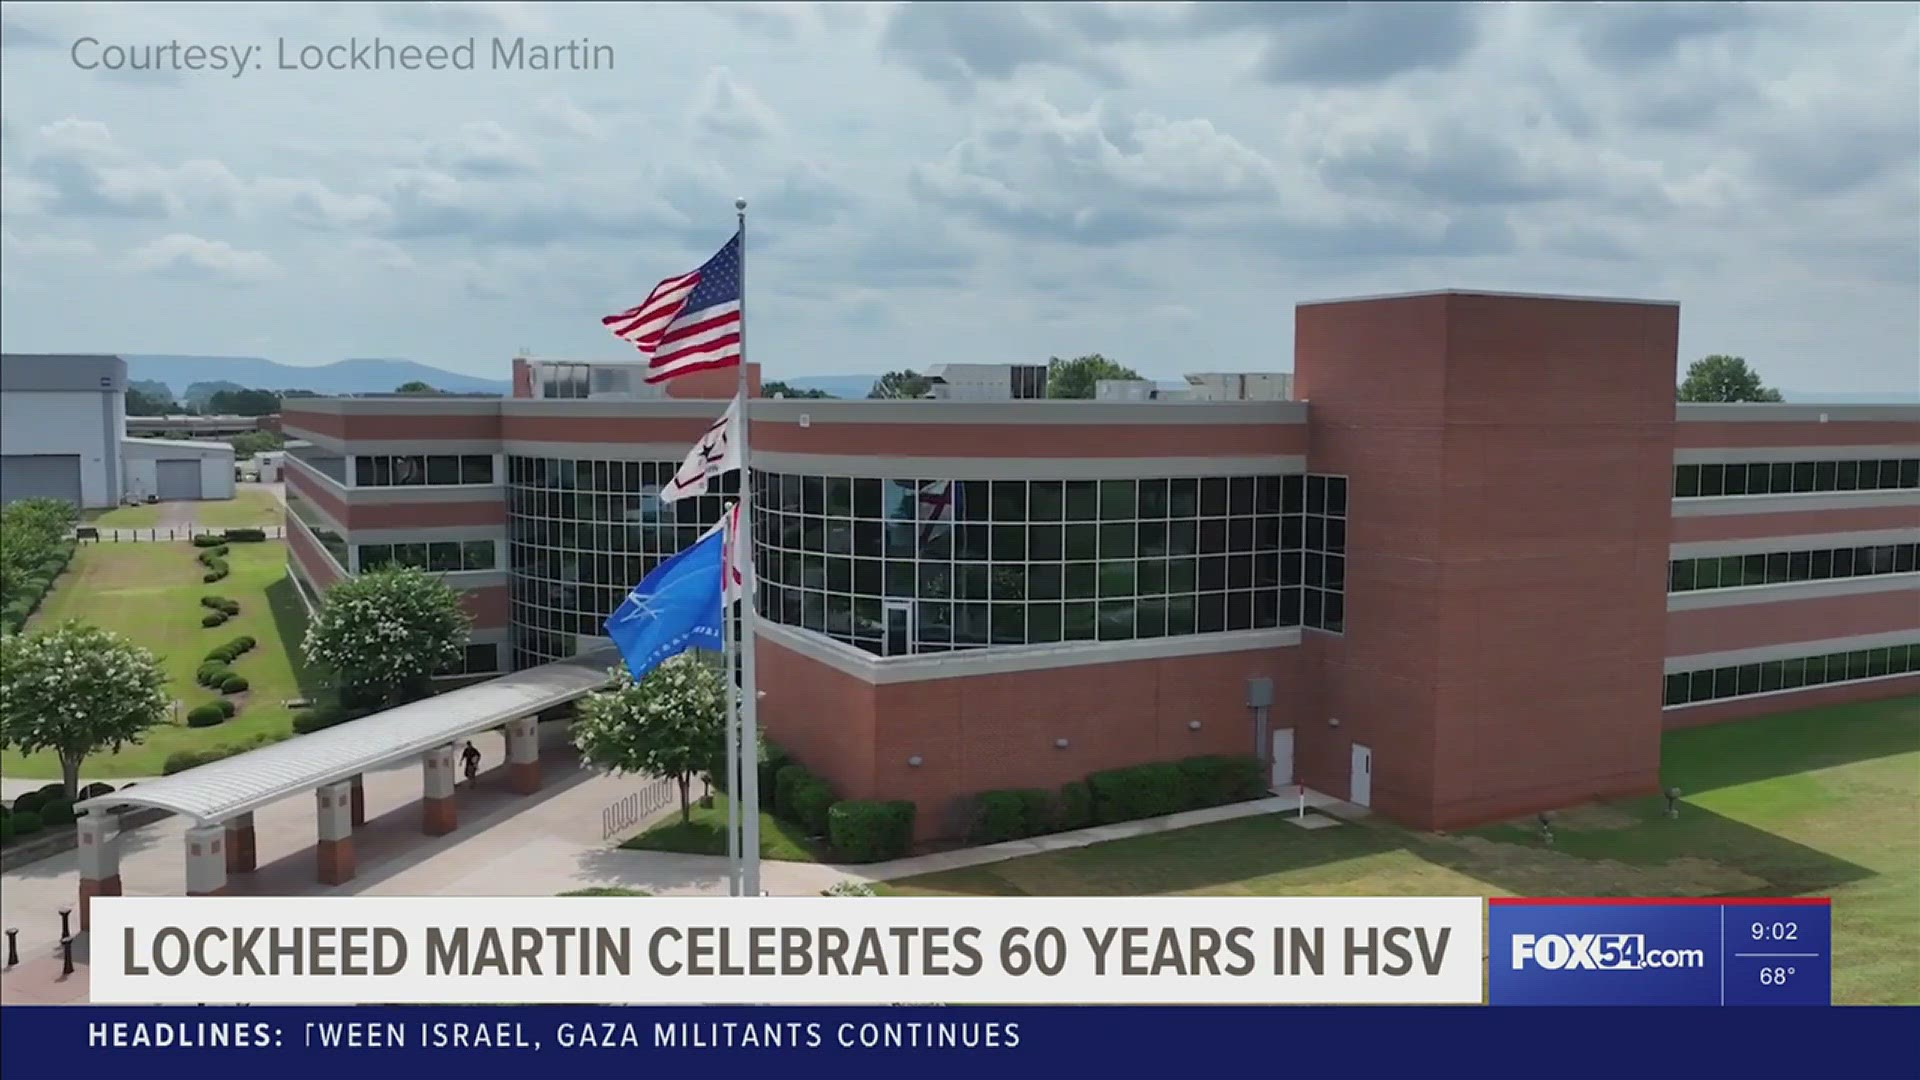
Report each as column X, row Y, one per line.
column 363, row 471
column 1083, row 500
column 478, row 555
column 443, row 469
column 478, row 469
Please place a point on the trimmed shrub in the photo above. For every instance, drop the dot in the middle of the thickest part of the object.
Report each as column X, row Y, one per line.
column 246, row 642
column 6, row 828
column 785, row 783
column 56, row 812
column 213, row 618
column 24, row 822
column 998, row 816
column 848, row 887
column 211, row 673
column 212, row 601
column 1224, row 778
column 208, row 715
column 207, row 540
column 212, row 576
column 864, row 830
column 231, row 607
column 1040, row 811
column 182, row 760
column 49, row 792
column 246, row 536
column 95, row 790
column 227, row 708
column 28, row 802
column 1142, row 791
column 1075, row 807
column 322, row 717
column 772, row 760
column 811, row 801
column 233, row 684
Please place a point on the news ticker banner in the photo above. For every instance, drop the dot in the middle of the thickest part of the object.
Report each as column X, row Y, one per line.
column 374, row 1042
column 1718, row 951
column 786, row 950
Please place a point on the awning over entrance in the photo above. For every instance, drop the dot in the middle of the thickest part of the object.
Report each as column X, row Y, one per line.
column 240, row 784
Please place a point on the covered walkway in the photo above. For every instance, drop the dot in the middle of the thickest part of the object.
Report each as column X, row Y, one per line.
column 219, row 799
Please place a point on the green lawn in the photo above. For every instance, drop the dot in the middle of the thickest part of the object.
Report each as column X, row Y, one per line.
column 1824, row 802
column 247, row 508
column 607, row 890
column 706, row 834
column 151, row 593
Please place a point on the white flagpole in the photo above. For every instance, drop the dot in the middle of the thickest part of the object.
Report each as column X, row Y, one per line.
column 733, row 719
column 749, row 785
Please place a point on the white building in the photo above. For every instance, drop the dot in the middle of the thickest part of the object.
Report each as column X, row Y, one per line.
column 1242, row 386
column 176, row 469
column 61, row 419
column 988, row 382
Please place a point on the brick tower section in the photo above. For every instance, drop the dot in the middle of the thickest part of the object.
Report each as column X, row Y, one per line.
column 1510, row 465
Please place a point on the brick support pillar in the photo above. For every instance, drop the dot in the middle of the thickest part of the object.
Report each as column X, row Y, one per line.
column 439, row 816
column 99, row 850
column 359, row 801
column 242, row 856
column 523, row 755
column 207, row 860
column 334, row 805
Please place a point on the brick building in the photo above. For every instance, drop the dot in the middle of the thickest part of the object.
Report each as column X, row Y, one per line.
column 1481, row 561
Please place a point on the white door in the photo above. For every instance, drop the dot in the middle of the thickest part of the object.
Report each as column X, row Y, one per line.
column 1361, row 786
column 1282, row 758
column 899, row 627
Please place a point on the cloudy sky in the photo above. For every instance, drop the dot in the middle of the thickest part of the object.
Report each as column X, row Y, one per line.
column 1156, row 182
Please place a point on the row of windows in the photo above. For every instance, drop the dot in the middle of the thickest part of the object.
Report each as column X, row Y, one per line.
column 1003, row 501
column 1771, row 568
column 970, row 542
column 482, row 659
column 935, row 580
column 334, row 543
column 613, row 477
column 414, row 470
column 1795, row 477
column 439, row 556
column 323, row 461
column 1713, row 684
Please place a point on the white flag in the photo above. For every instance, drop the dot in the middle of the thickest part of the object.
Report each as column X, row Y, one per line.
column 738, row 562
column 717, row 452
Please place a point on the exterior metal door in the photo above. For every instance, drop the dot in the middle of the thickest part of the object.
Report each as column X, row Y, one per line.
column 1282, row 758
column 177, row 479
column 40, row 476
column 899, row 616
column 1361, row 785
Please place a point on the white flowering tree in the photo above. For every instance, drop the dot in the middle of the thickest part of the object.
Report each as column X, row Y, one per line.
column 671, row 723
column 77, row 690
column 379, row 637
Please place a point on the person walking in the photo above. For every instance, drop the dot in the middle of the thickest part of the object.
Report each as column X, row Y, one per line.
column 471, row 757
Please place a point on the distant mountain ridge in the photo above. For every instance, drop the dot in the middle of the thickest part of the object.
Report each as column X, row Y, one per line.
column 840, row 386
column 358, row 376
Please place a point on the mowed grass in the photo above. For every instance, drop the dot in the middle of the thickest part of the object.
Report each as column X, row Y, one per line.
column 706, row 834
column 248, row 508
column 1823, row 802
column 151, row 594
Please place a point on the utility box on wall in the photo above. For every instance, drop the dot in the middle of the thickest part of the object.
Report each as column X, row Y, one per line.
column 1260, row 693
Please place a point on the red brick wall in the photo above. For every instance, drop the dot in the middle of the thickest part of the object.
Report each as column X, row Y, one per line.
column 1768, row 704
column 990, row 732
column 1033, row 440
column 315, row 561
column 1702, row 434
column 522, row 378
column 718, row 383
column 1510, row 467
column 1690, row 633
column 488, row 606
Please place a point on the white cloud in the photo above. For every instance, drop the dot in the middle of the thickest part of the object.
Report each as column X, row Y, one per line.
column 483, row 149
column 186, row 255
column 46, row 247
column 730, row 109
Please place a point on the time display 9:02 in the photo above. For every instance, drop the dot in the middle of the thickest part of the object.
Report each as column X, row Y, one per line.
column 1778, row 931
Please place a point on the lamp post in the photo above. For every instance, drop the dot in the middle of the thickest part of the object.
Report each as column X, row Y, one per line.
column 66, row 929
column 1673, row 802
column 66, row 955
column 1546, row 827
column 13, row 947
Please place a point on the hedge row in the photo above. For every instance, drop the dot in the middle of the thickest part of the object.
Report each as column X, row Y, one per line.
column 182, row 760
column 246, row 536
column 221, row 604
column 208, row 540
column 38, row 549
column 1142, row 791
column 232, row 650
column 56, row 792
column 859, row 830
column 321, row 717
column 214, row 559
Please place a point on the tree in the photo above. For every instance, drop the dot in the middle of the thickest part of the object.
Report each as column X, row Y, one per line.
column 777, row 388
column 77, row 690
column 248, row 443
column 200, row 394
column 1080, row 376
column 378, row 638
column 244, row 403
column 1724, row 378
column 671, row 723
column 142, row 401
column 900, row 384
column 414, row 387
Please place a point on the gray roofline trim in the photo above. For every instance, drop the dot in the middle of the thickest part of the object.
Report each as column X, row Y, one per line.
column 245, row 782
column 926, row 667
column 424, row 405
column 1038, row 413
column 1788, row 591
column 1491, row 293
column 1784, row 412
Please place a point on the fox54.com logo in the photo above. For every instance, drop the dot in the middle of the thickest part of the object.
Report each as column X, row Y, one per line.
column 1599, row 952
column 1603, row 955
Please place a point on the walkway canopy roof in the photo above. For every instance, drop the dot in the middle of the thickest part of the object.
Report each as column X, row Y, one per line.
column 245, row 782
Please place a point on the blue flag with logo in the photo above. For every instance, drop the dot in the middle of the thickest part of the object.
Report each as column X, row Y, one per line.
column 673, row 609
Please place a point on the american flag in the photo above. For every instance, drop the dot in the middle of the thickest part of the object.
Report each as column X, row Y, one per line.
column 689, row 322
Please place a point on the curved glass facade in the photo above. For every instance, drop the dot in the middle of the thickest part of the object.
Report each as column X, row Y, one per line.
column 899, row 566
column 580, row 534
